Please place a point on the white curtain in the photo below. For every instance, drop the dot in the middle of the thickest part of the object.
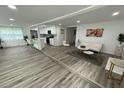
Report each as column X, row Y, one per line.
column 12, row 36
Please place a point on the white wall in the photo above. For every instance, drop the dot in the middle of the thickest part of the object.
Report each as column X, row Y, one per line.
column 109, row 38
column 27, row 32
column 60, row 35
column 11, row 43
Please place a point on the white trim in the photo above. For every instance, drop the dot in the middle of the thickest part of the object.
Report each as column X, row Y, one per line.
column 84, row 10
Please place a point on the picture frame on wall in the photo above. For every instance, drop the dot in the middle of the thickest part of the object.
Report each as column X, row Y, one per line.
column 34, row 34
column 94, row 32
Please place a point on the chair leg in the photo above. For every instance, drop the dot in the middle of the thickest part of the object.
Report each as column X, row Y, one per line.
column 111, row 77
column 122, row 77
column 110, row 71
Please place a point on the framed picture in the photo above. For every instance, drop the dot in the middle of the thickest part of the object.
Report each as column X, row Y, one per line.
column 34, row 34
column 94, row 32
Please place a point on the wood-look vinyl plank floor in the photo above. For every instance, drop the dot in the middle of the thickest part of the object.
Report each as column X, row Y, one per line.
column 25, row 67
column 84, row 64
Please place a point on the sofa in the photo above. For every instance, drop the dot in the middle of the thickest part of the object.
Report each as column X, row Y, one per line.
column 90, row 46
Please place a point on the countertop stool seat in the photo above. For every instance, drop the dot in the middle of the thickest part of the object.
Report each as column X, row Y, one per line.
column 117, row 66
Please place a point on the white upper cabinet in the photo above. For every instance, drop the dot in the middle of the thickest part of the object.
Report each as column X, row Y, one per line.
column 48, row 28
column 43, row 31
column 52, row 29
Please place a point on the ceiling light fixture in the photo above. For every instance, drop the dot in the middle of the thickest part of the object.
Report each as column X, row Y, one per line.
column 11, row 24
column 11, row 19
column 44, row 25
column 115, row 13
column 78, row 21
column 12, row 6
column 60, row 24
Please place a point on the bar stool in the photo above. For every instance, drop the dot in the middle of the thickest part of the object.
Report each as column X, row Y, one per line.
column 117, row 66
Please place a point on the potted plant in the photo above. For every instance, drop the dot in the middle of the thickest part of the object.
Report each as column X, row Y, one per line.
column 1, row 47
column 25, row 38
column 121, row 38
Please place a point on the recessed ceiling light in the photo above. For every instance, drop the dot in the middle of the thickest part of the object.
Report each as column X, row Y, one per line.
column 11, row 19
column 78, row 21
column 115, row 13
column 44, row 25
column 60, row 24
column 11, row 24
column 12, row 6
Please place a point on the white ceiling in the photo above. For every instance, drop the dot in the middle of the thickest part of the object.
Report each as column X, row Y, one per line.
column 26, row 15
column 97, row 15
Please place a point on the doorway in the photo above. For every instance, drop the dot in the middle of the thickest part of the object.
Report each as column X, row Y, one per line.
column 71, row 35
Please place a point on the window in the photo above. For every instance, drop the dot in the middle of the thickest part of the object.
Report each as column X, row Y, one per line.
column 11, row 33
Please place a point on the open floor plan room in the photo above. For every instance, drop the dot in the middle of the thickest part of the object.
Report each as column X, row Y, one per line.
column 69, row 46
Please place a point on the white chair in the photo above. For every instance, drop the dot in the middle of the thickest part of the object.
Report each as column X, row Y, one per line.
column 117, row 66
column 90, row 46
